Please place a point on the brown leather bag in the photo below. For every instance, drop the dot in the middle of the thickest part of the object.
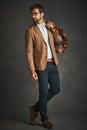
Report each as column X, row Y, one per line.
column 61, row 48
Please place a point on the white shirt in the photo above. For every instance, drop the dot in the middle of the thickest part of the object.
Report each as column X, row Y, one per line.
column 45, row 35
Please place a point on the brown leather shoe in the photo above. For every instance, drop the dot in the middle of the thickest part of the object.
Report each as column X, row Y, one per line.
column 47, row 124
column 33, row 115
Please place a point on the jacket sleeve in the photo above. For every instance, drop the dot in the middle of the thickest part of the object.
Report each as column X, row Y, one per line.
column 29, row 50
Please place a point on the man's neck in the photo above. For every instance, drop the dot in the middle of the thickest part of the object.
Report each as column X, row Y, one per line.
column 41, row 21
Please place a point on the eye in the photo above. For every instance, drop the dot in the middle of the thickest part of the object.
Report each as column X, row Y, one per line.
column 35, row 14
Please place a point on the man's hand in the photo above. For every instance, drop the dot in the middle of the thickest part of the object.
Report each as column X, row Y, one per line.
column 50, row 25
column 34, row 76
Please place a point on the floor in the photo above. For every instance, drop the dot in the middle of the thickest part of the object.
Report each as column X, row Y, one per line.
column 61, row 121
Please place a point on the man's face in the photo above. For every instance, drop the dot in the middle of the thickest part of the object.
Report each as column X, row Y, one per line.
column 36, row 15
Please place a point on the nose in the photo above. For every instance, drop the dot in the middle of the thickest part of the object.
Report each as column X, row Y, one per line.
column 33, row 16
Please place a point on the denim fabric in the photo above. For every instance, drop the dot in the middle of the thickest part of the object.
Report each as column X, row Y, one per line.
column 48, row 76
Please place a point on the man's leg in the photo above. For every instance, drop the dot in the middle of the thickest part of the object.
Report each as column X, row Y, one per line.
column 54, row 81
column 41, row 105
column 51, row 74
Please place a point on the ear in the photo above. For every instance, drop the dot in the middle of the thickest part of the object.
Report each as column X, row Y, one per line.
column 42, row 14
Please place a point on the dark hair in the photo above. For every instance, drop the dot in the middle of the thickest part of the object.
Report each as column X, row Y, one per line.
column 38, row 6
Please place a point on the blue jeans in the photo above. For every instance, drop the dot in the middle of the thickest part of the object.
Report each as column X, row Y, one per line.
column 48, row 76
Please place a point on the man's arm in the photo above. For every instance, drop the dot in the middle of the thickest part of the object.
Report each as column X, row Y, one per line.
column 60, row 38
column 29, row 50
column 29, row 53
column 51, row 26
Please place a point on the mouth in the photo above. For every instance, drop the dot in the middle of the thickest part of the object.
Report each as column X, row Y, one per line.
column 33, row 19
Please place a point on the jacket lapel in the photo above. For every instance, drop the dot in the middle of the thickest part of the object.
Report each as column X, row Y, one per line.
column 50, row 38
column 41, row 36
column 39, row 33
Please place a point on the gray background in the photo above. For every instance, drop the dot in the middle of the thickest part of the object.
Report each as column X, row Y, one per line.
column 17, row 90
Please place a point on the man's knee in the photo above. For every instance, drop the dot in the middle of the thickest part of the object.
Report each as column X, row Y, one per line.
column 56, row 91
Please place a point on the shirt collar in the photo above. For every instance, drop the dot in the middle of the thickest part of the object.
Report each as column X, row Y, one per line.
column 42, row 24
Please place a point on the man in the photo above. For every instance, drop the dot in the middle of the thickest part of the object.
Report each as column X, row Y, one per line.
column 42, row 60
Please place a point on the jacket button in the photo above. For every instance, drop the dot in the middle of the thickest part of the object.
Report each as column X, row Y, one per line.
column 45, row 56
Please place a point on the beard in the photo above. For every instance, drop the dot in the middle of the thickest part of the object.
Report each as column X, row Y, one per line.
column 35, row 20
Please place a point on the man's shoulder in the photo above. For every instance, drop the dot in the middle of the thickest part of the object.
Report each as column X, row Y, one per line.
column 30, row 28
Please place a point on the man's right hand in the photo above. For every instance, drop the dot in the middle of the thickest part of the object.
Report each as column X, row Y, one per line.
column 34, row 76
